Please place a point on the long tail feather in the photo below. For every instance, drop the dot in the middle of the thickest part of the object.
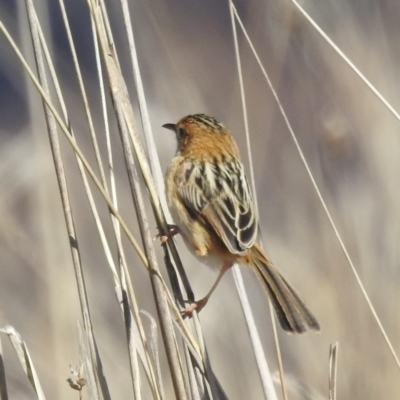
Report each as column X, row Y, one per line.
column 291, row 311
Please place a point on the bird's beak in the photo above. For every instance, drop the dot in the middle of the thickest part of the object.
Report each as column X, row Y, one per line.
column 171, row 127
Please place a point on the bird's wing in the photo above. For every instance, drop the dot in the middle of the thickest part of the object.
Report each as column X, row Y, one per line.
column 218, row 195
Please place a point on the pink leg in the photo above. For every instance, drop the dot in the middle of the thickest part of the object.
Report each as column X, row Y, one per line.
column 199, row 304
column 172, row 231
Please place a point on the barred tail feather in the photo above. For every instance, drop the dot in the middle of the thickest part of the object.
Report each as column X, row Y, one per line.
column 291, row 311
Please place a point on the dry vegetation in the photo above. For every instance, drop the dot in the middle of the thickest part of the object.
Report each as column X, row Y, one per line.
column 187, row 61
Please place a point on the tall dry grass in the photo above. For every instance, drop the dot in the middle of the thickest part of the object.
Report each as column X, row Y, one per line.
column 187, row 62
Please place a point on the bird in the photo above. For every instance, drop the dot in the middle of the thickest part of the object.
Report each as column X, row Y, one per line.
column 211, row 203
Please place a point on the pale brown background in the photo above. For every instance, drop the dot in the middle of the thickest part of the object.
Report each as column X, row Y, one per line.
column 186, row 56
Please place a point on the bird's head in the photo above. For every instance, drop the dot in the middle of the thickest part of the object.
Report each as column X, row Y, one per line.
column 199, row 132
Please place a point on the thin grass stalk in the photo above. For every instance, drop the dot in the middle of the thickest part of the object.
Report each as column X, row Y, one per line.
column 282, row 377
column 25, row 360
column 187, row 338
column 144, row 112
column 155, row 164
column 208, row 376
column 263, row 369
column 154, row 382
column 333, row 363
column 89, row 194
column 3, row 381
column 320, row 197
column 217, row 391
column 207, row 366
column 133, row 361
column 198, row 381
column 265, row 375
column 200, row 376
column 161, row 302
column 196, row 376
column 87, row 364
column 196, row 390
column 83, row 94
column 153, row 344
column 133, row 338
column 243, row 101
column 145, row 168
column 133, row 347
column 343, row 56
column 61, row 179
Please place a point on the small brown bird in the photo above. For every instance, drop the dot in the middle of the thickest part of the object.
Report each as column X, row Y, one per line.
column 210, row 200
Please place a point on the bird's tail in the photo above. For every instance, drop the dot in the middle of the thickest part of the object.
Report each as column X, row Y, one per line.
column 293, row 314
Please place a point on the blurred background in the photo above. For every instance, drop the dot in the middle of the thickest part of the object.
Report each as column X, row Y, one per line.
column 187, row 60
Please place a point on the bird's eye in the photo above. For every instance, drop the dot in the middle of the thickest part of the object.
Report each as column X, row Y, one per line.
column 181, row 133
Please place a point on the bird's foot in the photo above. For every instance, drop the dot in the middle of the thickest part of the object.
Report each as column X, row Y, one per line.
column 172, row 231
column 195, row 306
